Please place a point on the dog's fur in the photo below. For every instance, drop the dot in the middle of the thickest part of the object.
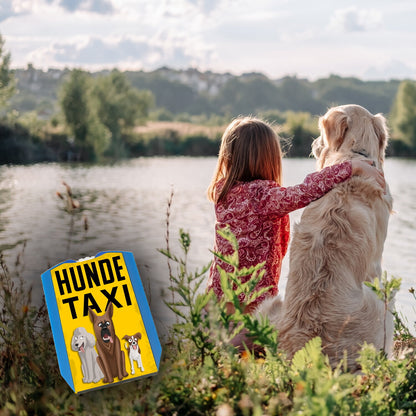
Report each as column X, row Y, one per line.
column 133, row 350
column 110, row 357
column 83, row 342
column 337, row 246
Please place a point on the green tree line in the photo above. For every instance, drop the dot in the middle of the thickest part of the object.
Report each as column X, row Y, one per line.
column 82, row 116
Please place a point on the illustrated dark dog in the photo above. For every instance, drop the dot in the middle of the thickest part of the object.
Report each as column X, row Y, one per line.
column 110, row 357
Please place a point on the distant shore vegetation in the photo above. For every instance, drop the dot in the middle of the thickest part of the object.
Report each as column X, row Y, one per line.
column 78, row 116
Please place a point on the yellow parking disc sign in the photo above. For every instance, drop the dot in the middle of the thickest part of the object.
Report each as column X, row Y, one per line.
column 101, row 322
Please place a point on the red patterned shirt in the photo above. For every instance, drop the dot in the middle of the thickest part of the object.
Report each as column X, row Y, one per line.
column 257, row 213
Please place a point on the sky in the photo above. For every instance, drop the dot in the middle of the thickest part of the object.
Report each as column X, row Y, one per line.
column 371, row 40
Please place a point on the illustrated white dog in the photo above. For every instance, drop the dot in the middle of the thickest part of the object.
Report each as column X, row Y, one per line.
column 336, row 247
column 83, row 342
column 133, row 350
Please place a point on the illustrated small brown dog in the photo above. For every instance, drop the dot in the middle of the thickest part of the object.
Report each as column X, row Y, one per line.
column 110, row 357
column 133, row 350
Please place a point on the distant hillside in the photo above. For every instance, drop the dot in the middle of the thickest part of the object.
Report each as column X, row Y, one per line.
column 194, row 92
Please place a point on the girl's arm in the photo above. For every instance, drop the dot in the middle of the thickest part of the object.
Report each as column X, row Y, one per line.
column 282, row 201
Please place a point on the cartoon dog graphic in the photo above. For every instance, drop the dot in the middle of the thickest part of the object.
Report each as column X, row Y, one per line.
column 83, row 342
column 133, row 350
column 110, row 357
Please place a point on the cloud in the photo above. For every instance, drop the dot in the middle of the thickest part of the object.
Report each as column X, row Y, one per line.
column 206, row 6
column 99, row 52
column 126, row 52
column 392, row 70
column 95, row 6
column 352, row 19
column 11, row 8
column 6, row 10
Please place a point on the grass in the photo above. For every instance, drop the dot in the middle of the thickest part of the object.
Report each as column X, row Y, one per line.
column 182, row 129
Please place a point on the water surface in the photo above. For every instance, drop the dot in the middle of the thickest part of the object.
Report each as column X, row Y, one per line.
column 125, row 207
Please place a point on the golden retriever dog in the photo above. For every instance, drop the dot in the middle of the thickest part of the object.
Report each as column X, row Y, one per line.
column 336, row 247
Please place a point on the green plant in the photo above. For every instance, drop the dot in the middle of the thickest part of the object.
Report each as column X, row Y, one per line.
column 243, row 384
column 201, row 373
column 385, row 290
column 233, row 287
column 191, row 304
column 27, row 367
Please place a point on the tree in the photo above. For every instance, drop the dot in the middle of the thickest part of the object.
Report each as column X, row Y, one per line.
column 301, row 128
column 91, row 136
column 119, row 105
column 7, row 80
column 98, row 111
column 403, row 114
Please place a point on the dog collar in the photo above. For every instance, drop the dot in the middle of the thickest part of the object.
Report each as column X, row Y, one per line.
column 363, row 153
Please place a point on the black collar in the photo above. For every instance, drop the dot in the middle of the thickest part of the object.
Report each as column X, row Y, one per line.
column 362, row 153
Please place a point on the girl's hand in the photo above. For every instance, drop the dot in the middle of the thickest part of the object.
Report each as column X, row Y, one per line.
column 366, row 169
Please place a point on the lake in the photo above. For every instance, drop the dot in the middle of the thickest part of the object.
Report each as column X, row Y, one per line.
column 125, row 207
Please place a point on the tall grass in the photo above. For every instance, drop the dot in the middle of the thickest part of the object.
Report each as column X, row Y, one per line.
column 201, row 372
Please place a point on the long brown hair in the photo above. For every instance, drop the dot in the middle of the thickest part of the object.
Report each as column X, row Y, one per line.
column 249, row 150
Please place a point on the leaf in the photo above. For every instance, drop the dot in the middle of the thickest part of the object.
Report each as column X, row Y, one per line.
column 176, row 311
column 225, row 284
column 309, row 354
column 202, row 300
column 231, row 259
column 168, row 254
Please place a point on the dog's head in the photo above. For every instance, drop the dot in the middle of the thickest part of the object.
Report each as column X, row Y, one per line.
column 350, row 129
column 103, row 325
column 81, row 340
column 133, row 340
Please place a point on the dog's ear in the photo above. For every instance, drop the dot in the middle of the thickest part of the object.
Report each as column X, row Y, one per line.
column 317, row 147
column 109, row 309
column 126, row 337
column 380, row 128
column 90, row 339
column 92, row 315
column 333, row 126
column 138, row 335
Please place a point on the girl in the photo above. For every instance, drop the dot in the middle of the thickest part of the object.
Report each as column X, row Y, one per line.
column 248, row 197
